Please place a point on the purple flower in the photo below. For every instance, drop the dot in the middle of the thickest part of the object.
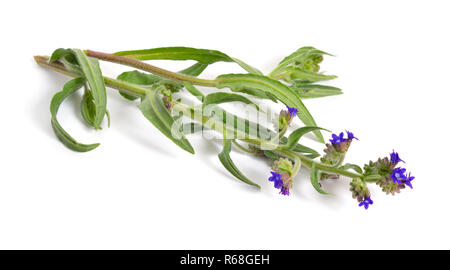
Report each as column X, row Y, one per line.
column 350, row 135
column 284, row 190
column 408, row 180
column 168, row 106
column 292, row 111
column 276, row 179
column 337, row 139
column 367, row 201
column 398, row 174
column 395, row 158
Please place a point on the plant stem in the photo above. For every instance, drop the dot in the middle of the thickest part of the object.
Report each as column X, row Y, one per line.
column 128, row 88
column 150, row 68
column 306, row 161
column 238, row 145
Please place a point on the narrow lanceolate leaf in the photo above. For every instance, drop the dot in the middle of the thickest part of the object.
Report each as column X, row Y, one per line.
column 226, row 161
column 194, row 70
column 247, row 67
column 58, row 54
column 202, row 56
column 194, row 91
column 315, row 179
column 295, row 136
column 88, row 108
column 148, row 79
column 315, row 90
column 137, row 77
column 152, row 107
column 354, row 167
column 220, row 97
column 242, row 82
column 90, row 70
column 69, row 88
column 297, row 74
column 94, row 77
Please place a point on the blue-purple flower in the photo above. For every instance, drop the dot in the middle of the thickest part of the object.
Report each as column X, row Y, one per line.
column 408, row 180
column 337, row 139
column 366, row 202
column 398, row 175
column 395, row 158
column 284, row 190
column 292, row 111
column 350, row 135
column 276, row 179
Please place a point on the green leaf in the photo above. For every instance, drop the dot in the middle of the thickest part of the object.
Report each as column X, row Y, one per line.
column 69, row 88
column 202, row 56
column 303, row 149
column 239, row 82
column 90, row 70
column 315, row 90
column 315, row 179
column 354, row 167
column 221, row 97
column 142, row 78
column 247, row 67
column 295, row 136
column 152, row 107
column 194, row 91
column 139, row 78
column 297, row 74
column 194, row 70
column 94, row 77
column 88, row 108
column 58, row 54
column 226, row 161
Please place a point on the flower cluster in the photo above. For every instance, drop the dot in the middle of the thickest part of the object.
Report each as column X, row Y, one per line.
column 360, row 192
column 311, row 63
column 286, row 116
column 282, row 175
column 334, row 153
column 391, row 178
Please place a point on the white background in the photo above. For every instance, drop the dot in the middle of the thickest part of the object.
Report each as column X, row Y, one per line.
column 140, row 191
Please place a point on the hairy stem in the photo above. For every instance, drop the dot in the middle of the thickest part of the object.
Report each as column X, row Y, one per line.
column 149, row 68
